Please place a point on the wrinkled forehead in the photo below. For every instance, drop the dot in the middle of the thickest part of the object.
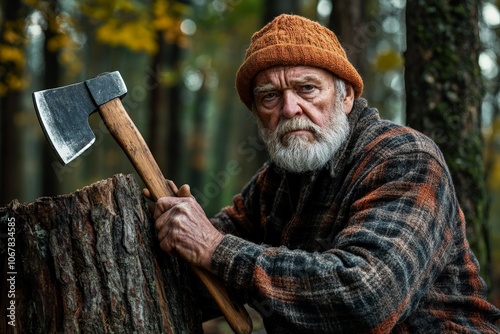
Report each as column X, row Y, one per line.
column 282, row 76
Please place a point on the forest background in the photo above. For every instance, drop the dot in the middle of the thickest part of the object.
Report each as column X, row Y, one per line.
column 178, row 60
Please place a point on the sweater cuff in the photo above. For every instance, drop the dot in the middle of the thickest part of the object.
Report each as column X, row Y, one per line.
column 234, row 261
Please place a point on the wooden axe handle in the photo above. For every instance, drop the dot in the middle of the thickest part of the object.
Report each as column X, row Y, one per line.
column 130, row 139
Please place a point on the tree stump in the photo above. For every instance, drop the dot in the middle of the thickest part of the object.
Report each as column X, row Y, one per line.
column 89, row 262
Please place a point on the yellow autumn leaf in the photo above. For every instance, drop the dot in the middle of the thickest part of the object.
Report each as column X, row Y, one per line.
column 168, row 15
column 12, row 37
column 134, row 24
column 95, row 12
column 387, row 61
column 180, row 9
column 124, row 5
column 160, row 7
column 135, row 35
column 12, row 81
column 58, row 42
column 11, row 54
column 105, row 9
column 164, row 22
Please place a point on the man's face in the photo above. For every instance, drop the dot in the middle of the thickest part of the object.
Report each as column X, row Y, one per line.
column 301, row 118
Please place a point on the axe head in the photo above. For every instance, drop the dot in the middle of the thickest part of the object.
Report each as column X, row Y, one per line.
column 63, row 112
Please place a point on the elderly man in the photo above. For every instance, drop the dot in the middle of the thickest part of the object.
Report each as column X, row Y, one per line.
column 353, row 226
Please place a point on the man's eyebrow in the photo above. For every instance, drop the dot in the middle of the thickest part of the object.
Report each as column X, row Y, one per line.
column 307, row 78
column 300, row 80
column 263, row 88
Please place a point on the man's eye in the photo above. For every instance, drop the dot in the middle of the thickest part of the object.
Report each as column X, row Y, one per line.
column 307, row 88
column 269, row 96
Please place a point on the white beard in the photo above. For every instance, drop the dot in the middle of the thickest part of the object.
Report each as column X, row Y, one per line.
column 298, row 154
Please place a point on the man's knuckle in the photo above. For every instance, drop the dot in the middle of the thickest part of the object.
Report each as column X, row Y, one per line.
column 182, row 208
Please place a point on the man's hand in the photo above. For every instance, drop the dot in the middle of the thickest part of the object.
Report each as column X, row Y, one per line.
column 183, row 228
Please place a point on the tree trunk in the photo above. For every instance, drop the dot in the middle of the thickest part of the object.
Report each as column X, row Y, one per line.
column 165, row 123
column 275, row 8
column 444, row 92
column 10, row 142
column 89, row 262
column 51, row 79
column 12, row 23
column 348, row 21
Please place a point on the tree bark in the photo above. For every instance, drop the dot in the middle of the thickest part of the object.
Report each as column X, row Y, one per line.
column 444, row 92
column 89, row 262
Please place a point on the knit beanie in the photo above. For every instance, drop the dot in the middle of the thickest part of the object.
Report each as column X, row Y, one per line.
column 291, row 40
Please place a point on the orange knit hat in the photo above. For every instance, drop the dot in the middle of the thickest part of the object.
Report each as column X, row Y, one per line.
column 291, row 40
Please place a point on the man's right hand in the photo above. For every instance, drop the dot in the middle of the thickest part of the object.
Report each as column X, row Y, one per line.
column 184, row 191
column 183, row 227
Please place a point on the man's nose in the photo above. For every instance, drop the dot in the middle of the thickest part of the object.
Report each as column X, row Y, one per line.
column 291, row 104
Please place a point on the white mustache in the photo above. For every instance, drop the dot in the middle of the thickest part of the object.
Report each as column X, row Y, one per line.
column 295, row 124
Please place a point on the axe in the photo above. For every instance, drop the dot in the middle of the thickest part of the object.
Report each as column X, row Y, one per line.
column 63, row 114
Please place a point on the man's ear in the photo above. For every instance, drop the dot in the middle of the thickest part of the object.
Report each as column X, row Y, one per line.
column 348, row 101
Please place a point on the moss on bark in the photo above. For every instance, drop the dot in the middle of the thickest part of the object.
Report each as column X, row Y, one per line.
column 444, row 92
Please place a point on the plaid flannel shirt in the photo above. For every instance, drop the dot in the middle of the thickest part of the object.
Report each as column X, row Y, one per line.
column 373, row 243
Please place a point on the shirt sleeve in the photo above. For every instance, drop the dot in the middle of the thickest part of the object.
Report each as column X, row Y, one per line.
column 371, row 275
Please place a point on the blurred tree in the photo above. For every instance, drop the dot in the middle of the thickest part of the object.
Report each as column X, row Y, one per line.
column 345, row 17
column 198, row 139
column 444, row 93
column 12, row 81
column 275, row 8
column 221, row 154
column 152, row 28
column 490, row 32
column 165, row 120
column 59, row 62
column 51, row 78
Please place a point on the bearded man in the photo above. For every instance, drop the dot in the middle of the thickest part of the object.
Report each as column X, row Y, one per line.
column 353, row 226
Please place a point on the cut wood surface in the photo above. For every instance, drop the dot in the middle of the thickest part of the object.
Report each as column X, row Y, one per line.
column 88, row 262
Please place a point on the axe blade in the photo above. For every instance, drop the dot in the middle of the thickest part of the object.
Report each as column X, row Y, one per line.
column 63, row 112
